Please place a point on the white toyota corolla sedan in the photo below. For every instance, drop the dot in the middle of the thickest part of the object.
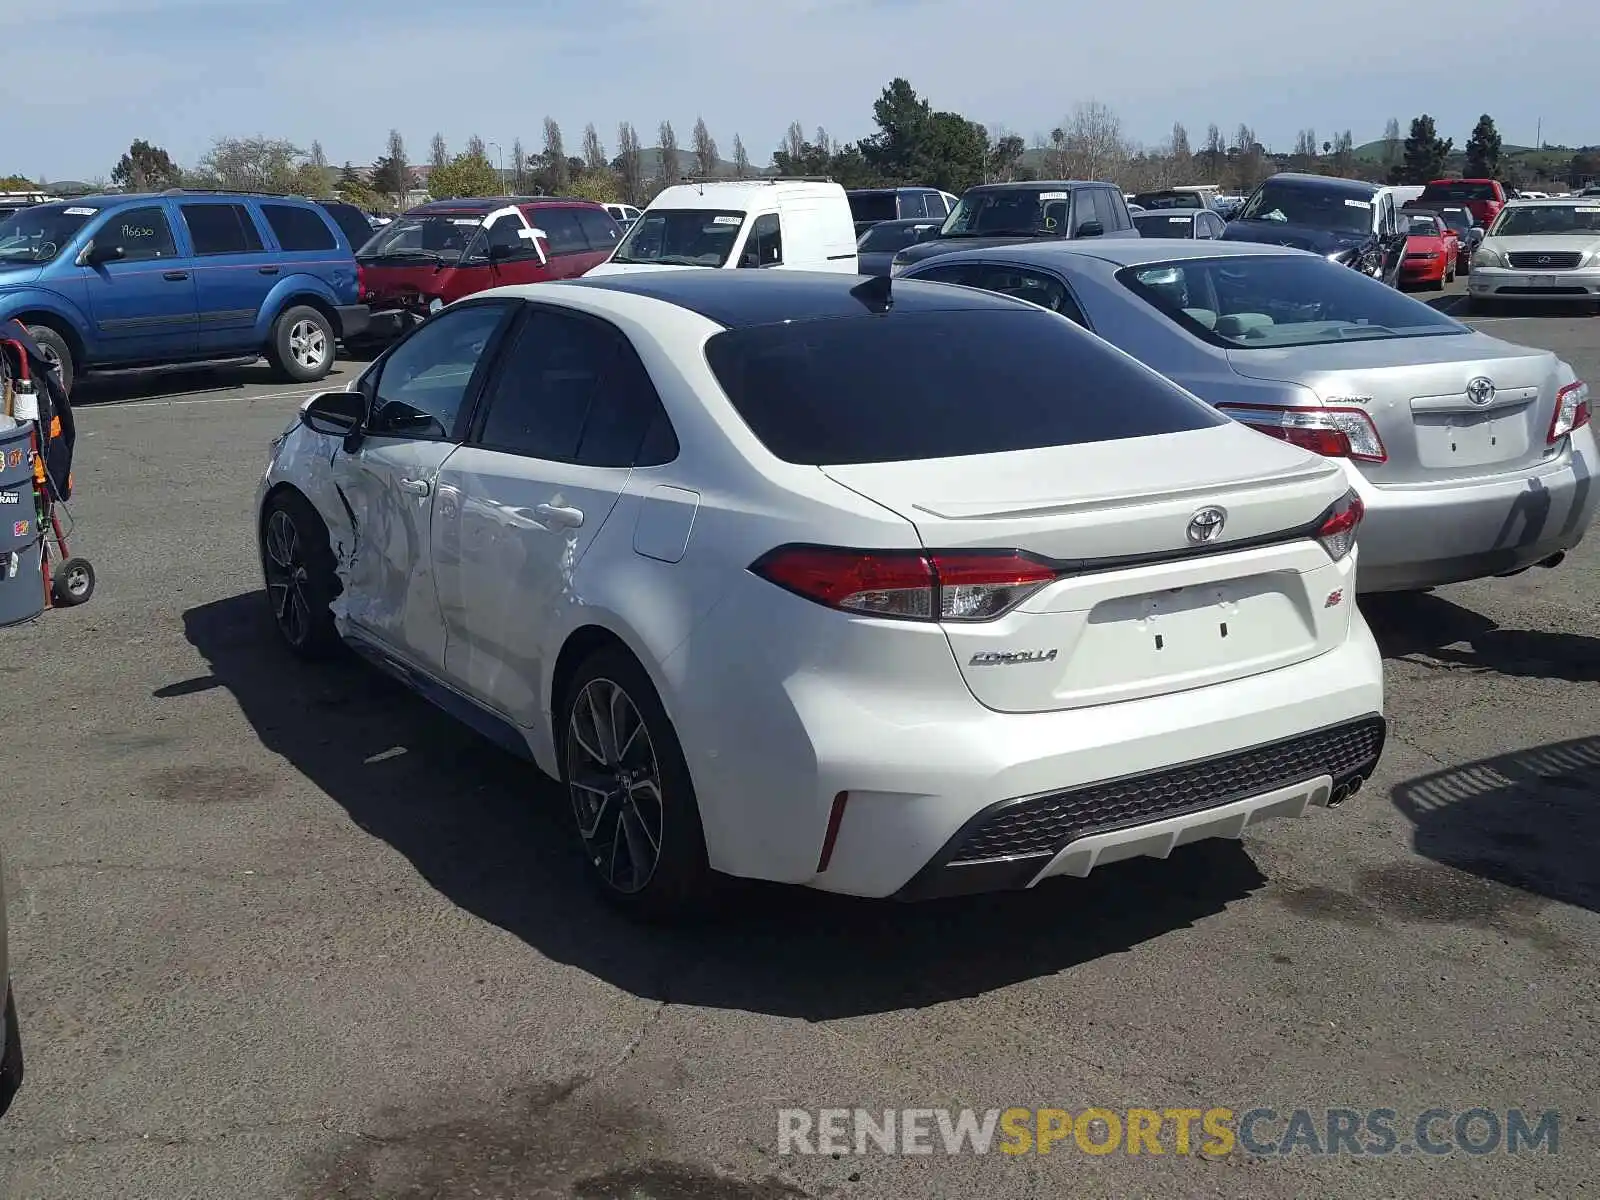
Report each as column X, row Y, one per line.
column 886, row 588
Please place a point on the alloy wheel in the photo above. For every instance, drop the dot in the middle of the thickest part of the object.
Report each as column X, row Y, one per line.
column 287, row 578
column 308, row 344
column 615, row 784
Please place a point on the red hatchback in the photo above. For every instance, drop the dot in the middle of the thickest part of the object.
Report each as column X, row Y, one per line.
column 440, row 252
column 1483, row 198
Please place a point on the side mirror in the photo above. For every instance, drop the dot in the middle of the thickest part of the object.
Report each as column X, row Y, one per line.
column 500, row 252
column 95, row 253
column 1090, row 229
column 337, row 413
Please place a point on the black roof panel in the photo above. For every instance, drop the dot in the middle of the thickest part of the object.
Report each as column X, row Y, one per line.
column 740, row 299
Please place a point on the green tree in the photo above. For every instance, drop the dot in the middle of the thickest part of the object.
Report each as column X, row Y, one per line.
column 898, row 149
column 629, row 163
column 556, row 172
column 145, row 168
column 705, row 150
column 391, row 174
column 352, row 189
column 16, row 183
column 1483, row 150
column 251, row 164
column 669, row 171
column 601, row 186
column 464, row 175
column 1425, row 154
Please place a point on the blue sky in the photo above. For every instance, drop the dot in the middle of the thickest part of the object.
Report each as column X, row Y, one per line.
column 182, row 72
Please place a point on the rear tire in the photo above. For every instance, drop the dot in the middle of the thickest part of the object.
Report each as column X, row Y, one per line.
column 11, row 1067
column 632, row 802
column 56, row 351
column 301, row 581
column 302, row 346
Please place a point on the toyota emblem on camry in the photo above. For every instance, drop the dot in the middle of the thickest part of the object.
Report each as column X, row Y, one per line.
column 1481, row 391
column 1206, row 525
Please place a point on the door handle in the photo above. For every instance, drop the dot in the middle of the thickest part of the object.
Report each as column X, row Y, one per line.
column 268, row 270
column 558, row 514
column 175, row 276
column 417, row 487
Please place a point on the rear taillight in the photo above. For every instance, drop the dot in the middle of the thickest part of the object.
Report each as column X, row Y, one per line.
column 1572, row 411
column 1331, row 432
column 1336, row 529
column 907, row 585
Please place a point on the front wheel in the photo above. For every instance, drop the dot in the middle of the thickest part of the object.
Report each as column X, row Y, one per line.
column 56, row 352
column 632, row 801
column 302, row 347
column 298, row 564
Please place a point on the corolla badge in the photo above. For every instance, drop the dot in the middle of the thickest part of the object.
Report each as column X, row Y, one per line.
column 1206, row 525
column 1011, row 658
column 1481, row 391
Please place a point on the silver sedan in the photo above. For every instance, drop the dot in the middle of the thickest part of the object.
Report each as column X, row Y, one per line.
column 1474, row 456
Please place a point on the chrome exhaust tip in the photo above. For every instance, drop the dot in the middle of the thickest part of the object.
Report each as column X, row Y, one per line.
column 1344, row 791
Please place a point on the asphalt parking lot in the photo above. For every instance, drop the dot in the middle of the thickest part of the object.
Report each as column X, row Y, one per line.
column 285, row 932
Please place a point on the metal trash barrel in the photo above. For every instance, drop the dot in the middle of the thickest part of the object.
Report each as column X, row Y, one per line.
column 21, row 584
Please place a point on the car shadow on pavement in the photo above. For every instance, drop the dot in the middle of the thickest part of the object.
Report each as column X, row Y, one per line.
column 489, row 832
column 1433, row 631
column 1529, row 819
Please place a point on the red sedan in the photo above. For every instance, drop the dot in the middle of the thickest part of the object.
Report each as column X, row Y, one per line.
column 1432, row 248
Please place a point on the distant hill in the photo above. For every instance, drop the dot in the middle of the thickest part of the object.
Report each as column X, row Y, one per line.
column 650, row 164
column 1551, row 162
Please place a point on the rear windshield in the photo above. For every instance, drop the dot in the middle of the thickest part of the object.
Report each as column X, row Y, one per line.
column 1459, row 190
column 1422, row 226
column 1163, row 225
column 1268, row 301
column 925, row 385
column 884, row 237
column 1168, row 200
column 874, row 206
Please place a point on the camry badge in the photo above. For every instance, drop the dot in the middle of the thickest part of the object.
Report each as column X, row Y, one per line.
column 1206, row 525
column 1002, row 658
column 1481, row 391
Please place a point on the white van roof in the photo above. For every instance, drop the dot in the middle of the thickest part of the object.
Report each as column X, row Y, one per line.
column 740, row 193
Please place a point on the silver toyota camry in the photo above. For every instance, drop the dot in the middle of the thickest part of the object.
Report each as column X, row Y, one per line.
column 1474, row 456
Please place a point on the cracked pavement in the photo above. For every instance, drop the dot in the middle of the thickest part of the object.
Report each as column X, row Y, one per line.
column 284, row 932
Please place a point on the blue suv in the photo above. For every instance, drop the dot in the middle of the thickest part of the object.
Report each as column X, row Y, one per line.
column 109, row 282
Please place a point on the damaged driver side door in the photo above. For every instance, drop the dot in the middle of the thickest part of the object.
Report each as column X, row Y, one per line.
column 419, row 397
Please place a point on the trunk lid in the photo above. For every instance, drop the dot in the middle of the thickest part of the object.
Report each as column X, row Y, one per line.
column 1419, row 393
column 1138, row 609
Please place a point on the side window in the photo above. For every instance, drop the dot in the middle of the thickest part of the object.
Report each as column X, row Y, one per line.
column 571, row 389
column 965, row 274
column 422, row 384
column 563, row 234
column 504, row 233
column 602, row 232
column 1202, row 227
column 1035, row 287
column 764, row 248
column 221, row 229
column 143, row 234
column 1386, row 218
column 298, row 228
column 1105, row 210
column 352, row 223
column 918, row 204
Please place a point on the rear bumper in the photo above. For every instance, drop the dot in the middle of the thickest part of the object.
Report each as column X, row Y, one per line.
column 1504, row 283
column 920, row 766
column 1017, row 843
column 353, row 319
column 1415, row 538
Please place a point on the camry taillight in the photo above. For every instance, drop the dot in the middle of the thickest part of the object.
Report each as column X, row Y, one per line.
column 1336, row 528
column 1572, row 411
column 908, row 585
column 1331, row 432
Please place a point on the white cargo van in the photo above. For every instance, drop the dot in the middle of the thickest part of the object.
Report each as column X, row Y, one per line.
column 792, row 224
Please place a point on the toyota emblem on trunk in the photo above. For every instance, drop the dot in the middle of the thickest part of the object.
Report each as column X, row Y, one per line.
column 1206, row 525
column 1481, row 391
